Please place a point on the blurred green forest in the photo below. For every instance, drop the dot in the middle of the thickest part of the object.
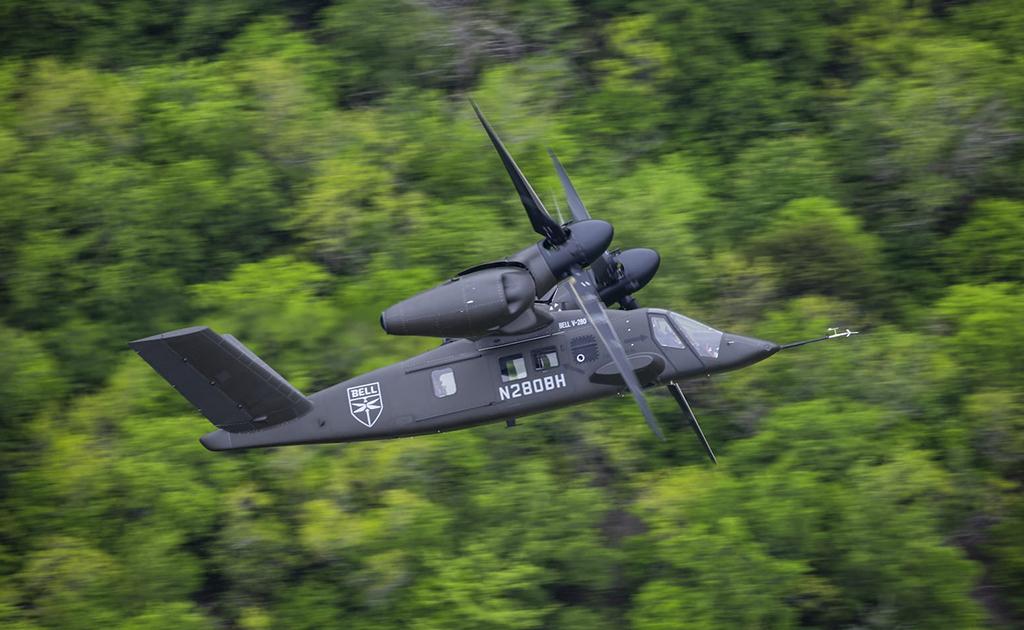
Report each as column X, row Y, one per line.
column 284, row 170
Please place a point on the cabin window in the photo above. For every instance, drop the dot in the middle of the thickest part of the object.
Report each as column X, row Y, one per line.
column 705, row 339
column 444, row 382
column 513, row 368
column 545, row 359
column 664, row 334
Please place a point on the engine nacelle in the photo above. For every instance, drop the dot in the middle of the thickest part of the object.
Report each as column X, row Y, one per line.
column 638, row 267
column 468, row 305
column 549, row 265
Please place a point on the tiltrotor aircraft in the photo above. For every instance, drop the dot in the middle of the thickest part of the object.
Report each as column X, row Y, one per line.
column 520, row 336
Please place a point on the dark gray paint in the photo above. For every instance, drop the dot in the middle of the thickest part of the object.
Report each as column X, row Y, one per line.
column 490, row 312
column 226, row 381
column 468, row 305
column 411, row 408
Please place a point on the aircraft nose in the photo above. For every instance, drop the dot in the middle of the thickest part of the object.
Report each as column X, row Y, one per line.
column 737, row 351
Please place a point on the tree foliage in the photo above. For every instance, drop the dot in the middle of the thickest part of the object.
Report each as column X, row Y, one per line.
column 283, row 171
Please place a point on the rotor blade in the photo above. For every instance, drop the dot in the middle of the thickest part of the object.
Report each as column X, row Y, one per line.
column 579, row 211
column 542, row 222
column 602, row 265
column 583, row 287
column 677, row 393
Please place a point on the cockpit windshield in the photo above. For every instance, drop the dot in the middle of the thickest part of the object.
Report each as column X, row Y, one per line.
column 704, row 339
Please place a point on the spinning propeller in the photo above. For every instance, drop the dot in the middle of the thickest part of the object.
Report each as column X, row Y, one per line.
column 541, row 221
column 619, row 274
column 577, row 252
column 620, row 283
column 615, row 282
column 584, row 289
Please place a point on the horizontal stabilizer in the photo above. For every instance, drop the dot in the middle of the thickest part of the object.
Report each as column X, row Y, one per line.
column 226, row 381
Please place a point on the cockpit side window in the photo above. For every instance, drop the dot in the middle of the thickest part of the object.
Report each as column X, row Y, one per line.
column 664, row 334
column 705, row 339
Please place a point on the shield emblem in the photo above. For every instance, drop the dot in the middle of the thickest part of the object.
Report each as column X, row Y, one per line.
column 365, row 403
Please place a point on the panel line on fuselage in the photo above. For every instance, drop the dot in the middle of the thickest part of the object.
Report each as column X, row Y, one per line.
column 518, row 341
column 443, row 361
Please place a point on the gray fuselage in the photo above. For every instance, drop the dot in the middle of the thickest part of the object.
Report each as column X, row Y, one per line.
column 467, row 382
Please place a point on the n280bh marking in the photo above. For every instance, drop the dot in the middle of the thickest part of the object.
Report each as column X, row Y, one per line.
column 544, row 384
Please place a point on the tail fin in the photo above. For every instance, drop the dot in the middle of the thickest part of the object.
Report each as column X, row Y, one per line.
column 226, row 381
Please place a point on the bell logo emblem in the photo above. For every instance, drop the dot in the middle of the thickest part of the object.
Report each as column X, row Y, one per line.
column 365, row 403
